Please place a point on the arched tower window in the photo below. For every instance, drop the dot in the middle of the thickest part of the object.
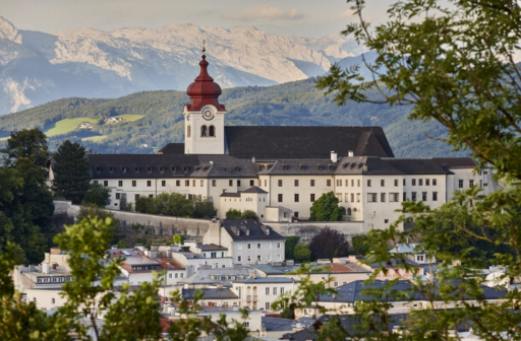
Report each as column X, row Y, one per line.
column 211, row 131
column 188, row 131
column 204, row 131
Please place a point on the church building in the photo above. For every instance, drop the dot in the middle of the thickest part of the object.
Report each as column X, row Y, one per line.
column 279, row 171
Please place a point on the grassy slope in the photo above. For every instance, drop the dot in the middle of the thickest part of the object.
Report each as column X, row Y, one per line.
column 297, row 103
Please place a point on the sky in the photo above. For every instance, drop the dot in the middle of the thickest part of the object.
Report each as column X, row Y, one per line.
column 290, row 17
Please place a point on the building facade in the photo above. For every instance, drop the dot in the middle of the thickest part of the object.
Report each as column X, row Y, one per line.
column 279, row 172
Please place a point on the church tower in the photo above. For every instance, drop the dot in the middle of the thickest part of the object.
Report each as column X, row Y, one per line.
column 204, row 115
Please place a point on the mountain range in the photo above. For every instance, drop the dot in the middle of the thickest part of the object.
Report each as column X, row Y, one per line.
column 37, row 67
column 146, row 121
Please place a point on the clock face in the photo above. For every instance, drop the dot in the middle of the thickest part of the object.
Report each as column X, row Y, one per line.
column 208, row 112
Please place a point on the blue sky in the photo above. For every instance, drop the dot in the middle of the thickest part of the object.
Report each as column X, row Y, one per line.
column 294, row 17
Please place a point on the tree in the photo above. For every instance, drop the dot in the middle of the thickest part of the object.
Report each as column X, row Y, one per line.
column 203, row 209
column 233, row 214
column 328, row 244
column 326, row 208
column 178, row 239
column 360, row 244
column 97, row 195
column 249, row 214
column 302, row 253
column 71, row 171
column 289, row 247
column 26, row 205
column 453, row 62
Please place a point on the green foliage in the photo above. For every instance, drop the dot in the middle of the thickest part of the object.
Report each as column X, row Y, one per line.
column 326, row 208
column 360, row 244
column 248, row 214
column 289, row 247
column 26, row 205
column 452, row 62
column 71, row 172
column 328, row 244
column 97, row 195
column 178, row 239
column 233, row 214
column 175, row 204
column 302, row 253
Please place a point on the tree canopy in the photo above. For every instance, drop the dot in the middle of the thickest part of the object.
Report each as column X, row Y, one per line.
column 328, row 244
column 326, row 208
column 71, row 171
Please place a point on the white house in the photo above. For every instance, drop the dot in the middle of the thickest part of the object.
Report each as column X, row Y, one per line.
column 260, row 293
column 249, row 241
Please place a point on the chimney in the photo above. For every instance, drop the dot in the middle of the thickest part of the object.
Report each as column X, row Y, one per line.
column 350, row 153
column 334, row 156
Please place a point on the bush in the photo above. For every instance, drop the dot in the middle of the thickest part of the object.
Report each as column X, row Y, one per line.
column 204, row 209
column 175, row 204
column 360, row 245
column 248, row 214
column 97, row 195
column 289, row 246
column 233, row 214
column 302, row 253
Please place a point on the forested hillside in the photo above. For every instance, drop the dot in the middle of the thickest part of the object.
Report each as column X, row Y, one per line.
column 143, row 122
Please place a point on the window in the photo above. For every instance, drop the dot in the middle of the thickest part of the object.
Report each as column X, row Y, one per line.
column 413, row 182
column 404, row 196
column 163, row 183
column 352, row 197
column 339, row 183
column 312, row 197
column 295, row 182
column 349, row 211
column 204, row 131
column 274, row 290
column 136, row 196
column 382, row 182
column 178, row 183
column 211, row 131
column 238, row 258
column 267, row 290
column 279, row 182
column 105, row 183
column 358, row 183
column 297, row 197
column 53, row 300
column 357, row 197
column 312, row 182
column 471, row 183
column 372, row 197
column 347, row 183
column 230, row 183
column 328, row 182
column 214, row 183
column 424, row 196
column 134, row 183
column 249, row 246
column 434, row 196
column 420, row 182
column 258, row 245
column 427, row 182
column 278, row 245
column 149, row 183
column 267, row 305
column 434, row 182
column 282, row 290
column 258, row 258
column 201, row 183
column 394, row 197
column 460, row 183
column 118, row 195
column 382, row 197
column 120, row 183
column 413, row 196
column 395, row 182
column 279, row 197
column 187, row 183
column 252, row 182
column 238, row 183
column 368, row 182
column 193, row 183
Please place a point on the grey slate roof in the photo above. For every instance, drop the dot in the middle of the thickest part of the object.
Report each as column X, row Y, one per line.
column 249, row 229
column 266, row 280
column 172, row 148
column 255, row 189
column 210, row 294
column 455, row 162
column 275, row 142
column 402, row 290
column 149, row 166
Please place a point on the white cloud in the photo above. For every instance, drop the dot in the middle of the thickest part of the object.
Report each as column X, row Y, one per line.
column 267, row 12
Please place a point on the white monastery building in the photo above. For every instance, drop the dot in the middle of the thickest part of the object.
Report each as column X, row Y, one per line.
column 279, row 172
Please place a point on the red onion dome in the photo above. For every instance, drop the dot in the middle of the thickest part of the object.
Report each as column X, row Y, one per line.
column 203, row 89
